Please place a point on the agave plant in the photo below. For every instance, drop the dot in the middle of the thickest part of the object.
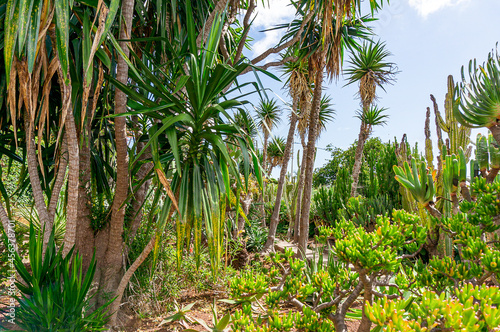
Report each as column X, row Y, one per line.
column 417, row 180
column 477, row 101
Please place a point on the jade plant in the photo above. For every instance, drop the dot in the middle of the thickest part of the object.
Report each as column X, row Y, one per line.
column 360, row 262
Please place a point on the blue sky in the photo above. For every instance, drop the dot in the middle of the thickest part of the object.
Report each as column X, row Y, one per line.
column 429, row 40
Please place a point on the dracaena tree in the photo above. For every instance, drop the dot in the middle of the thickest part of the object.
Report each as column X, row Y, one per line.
column 368, row 67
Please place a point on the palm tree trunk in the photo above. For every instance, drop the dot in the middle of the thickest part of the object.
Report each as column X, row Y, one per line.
column 300, row 189
column 43, row 214
column 273, row 225
column 309, row 157
column 60, row 179
column 113, row 269
column 358, row 157
column 126, row 278
column 261, row 198
column 73, row 182
column 85, row 239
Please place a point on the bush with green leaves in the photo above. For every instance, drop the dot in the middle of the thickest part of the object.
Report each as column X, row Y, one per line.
column 55, row 291
column 325, row 292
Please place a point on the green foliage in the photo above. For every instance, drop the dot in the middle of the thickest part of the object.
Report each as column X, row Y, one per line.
column 472, row 308
column 255, row 236
column 55, row 291
column 416, row 180
column 364, row 211
column 376, row 180
column 478, row 98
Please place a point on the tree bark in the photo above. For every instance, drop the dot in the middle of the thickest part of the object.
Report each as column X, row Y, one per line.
column 115, row 306
column 367, row 298
column 113, row 269
column 85, row 239
column 245, row 206
column 73, row 182
column 300, row 189
column 264, row 168
column 60, row 178
column 311, row 147
column 43, row 214
column 358, row 158
column 273, row 225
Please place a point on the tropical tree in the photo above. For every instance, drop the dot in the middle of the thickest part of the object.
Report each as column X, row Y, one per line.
column 195, row 140
column 268, row 115
column 335, row 26
column 370, row 69
column 276, row 152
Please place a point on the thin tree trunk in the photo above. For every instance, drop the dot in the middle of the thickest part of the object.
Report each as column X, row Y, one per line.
column 60, row 177
column 300, row 189
column 358, row 158
column 367, row 298
column 245, row 206
column 5, row 219
column 311, row 148
column 43, row 214
column 273, row 225
column 113, row 259
column 85, row 239
column 73, row 182
column 115, row 306
column 261, row 198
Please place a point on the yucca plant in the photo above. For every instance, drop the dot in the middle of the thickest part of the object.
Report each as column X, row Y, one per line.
column 195, row 141
column 54, row 292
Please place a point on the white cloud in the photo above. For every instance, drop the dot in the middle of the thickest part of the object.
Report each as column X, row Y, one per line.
column 278, row 11
column 426, row 7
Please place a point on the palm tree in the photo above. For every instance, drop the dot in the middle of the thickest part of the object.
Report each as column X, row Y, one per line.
column 299, row 89
column 370, row 69
column 276, row 152
column 268, row 115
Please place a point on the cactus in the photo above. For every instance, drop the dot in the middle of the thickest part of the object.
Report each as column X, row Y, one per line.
column 429, row 156
column 482, row 155
column 458, row 135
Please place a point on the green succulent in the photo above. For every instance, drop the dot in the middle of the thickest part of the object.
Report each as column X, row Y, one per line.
column 416, row 180
column 478, row 101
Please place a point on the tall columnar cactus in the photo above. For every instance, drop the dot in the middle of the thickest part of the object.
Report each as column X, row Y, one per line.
column 429, row 156
column 482, row 155
column 487, row 157
column 458, row 135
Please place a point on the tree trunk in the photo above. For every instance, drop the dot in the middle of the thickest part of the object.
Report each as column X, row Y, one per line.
column 367, row 298
column 245, row 206
column 60, row 179
column 300, row 189
column 43, row 214
column 273, row 225
column 115, row 306
column 309, row 157
column 85, row 239
column 113, row 269
column 73, row 182
column 264, row 161
column 358, row 158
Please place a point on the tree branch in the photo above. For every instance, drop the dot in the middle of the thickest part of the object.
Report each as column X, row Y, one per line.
column 289, row 43
column 246, row 29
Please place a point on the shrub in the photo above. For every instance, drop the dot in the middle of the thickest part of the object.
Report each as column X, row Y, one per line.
column 54, row 295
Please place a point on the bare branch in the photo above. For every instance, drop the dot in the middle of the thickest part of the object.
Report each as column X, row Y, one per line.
column 289, row 43
column 246, row 29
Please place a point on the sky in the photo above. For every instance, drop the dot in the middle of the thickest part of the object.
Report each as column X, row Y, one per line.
column 428, row 39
